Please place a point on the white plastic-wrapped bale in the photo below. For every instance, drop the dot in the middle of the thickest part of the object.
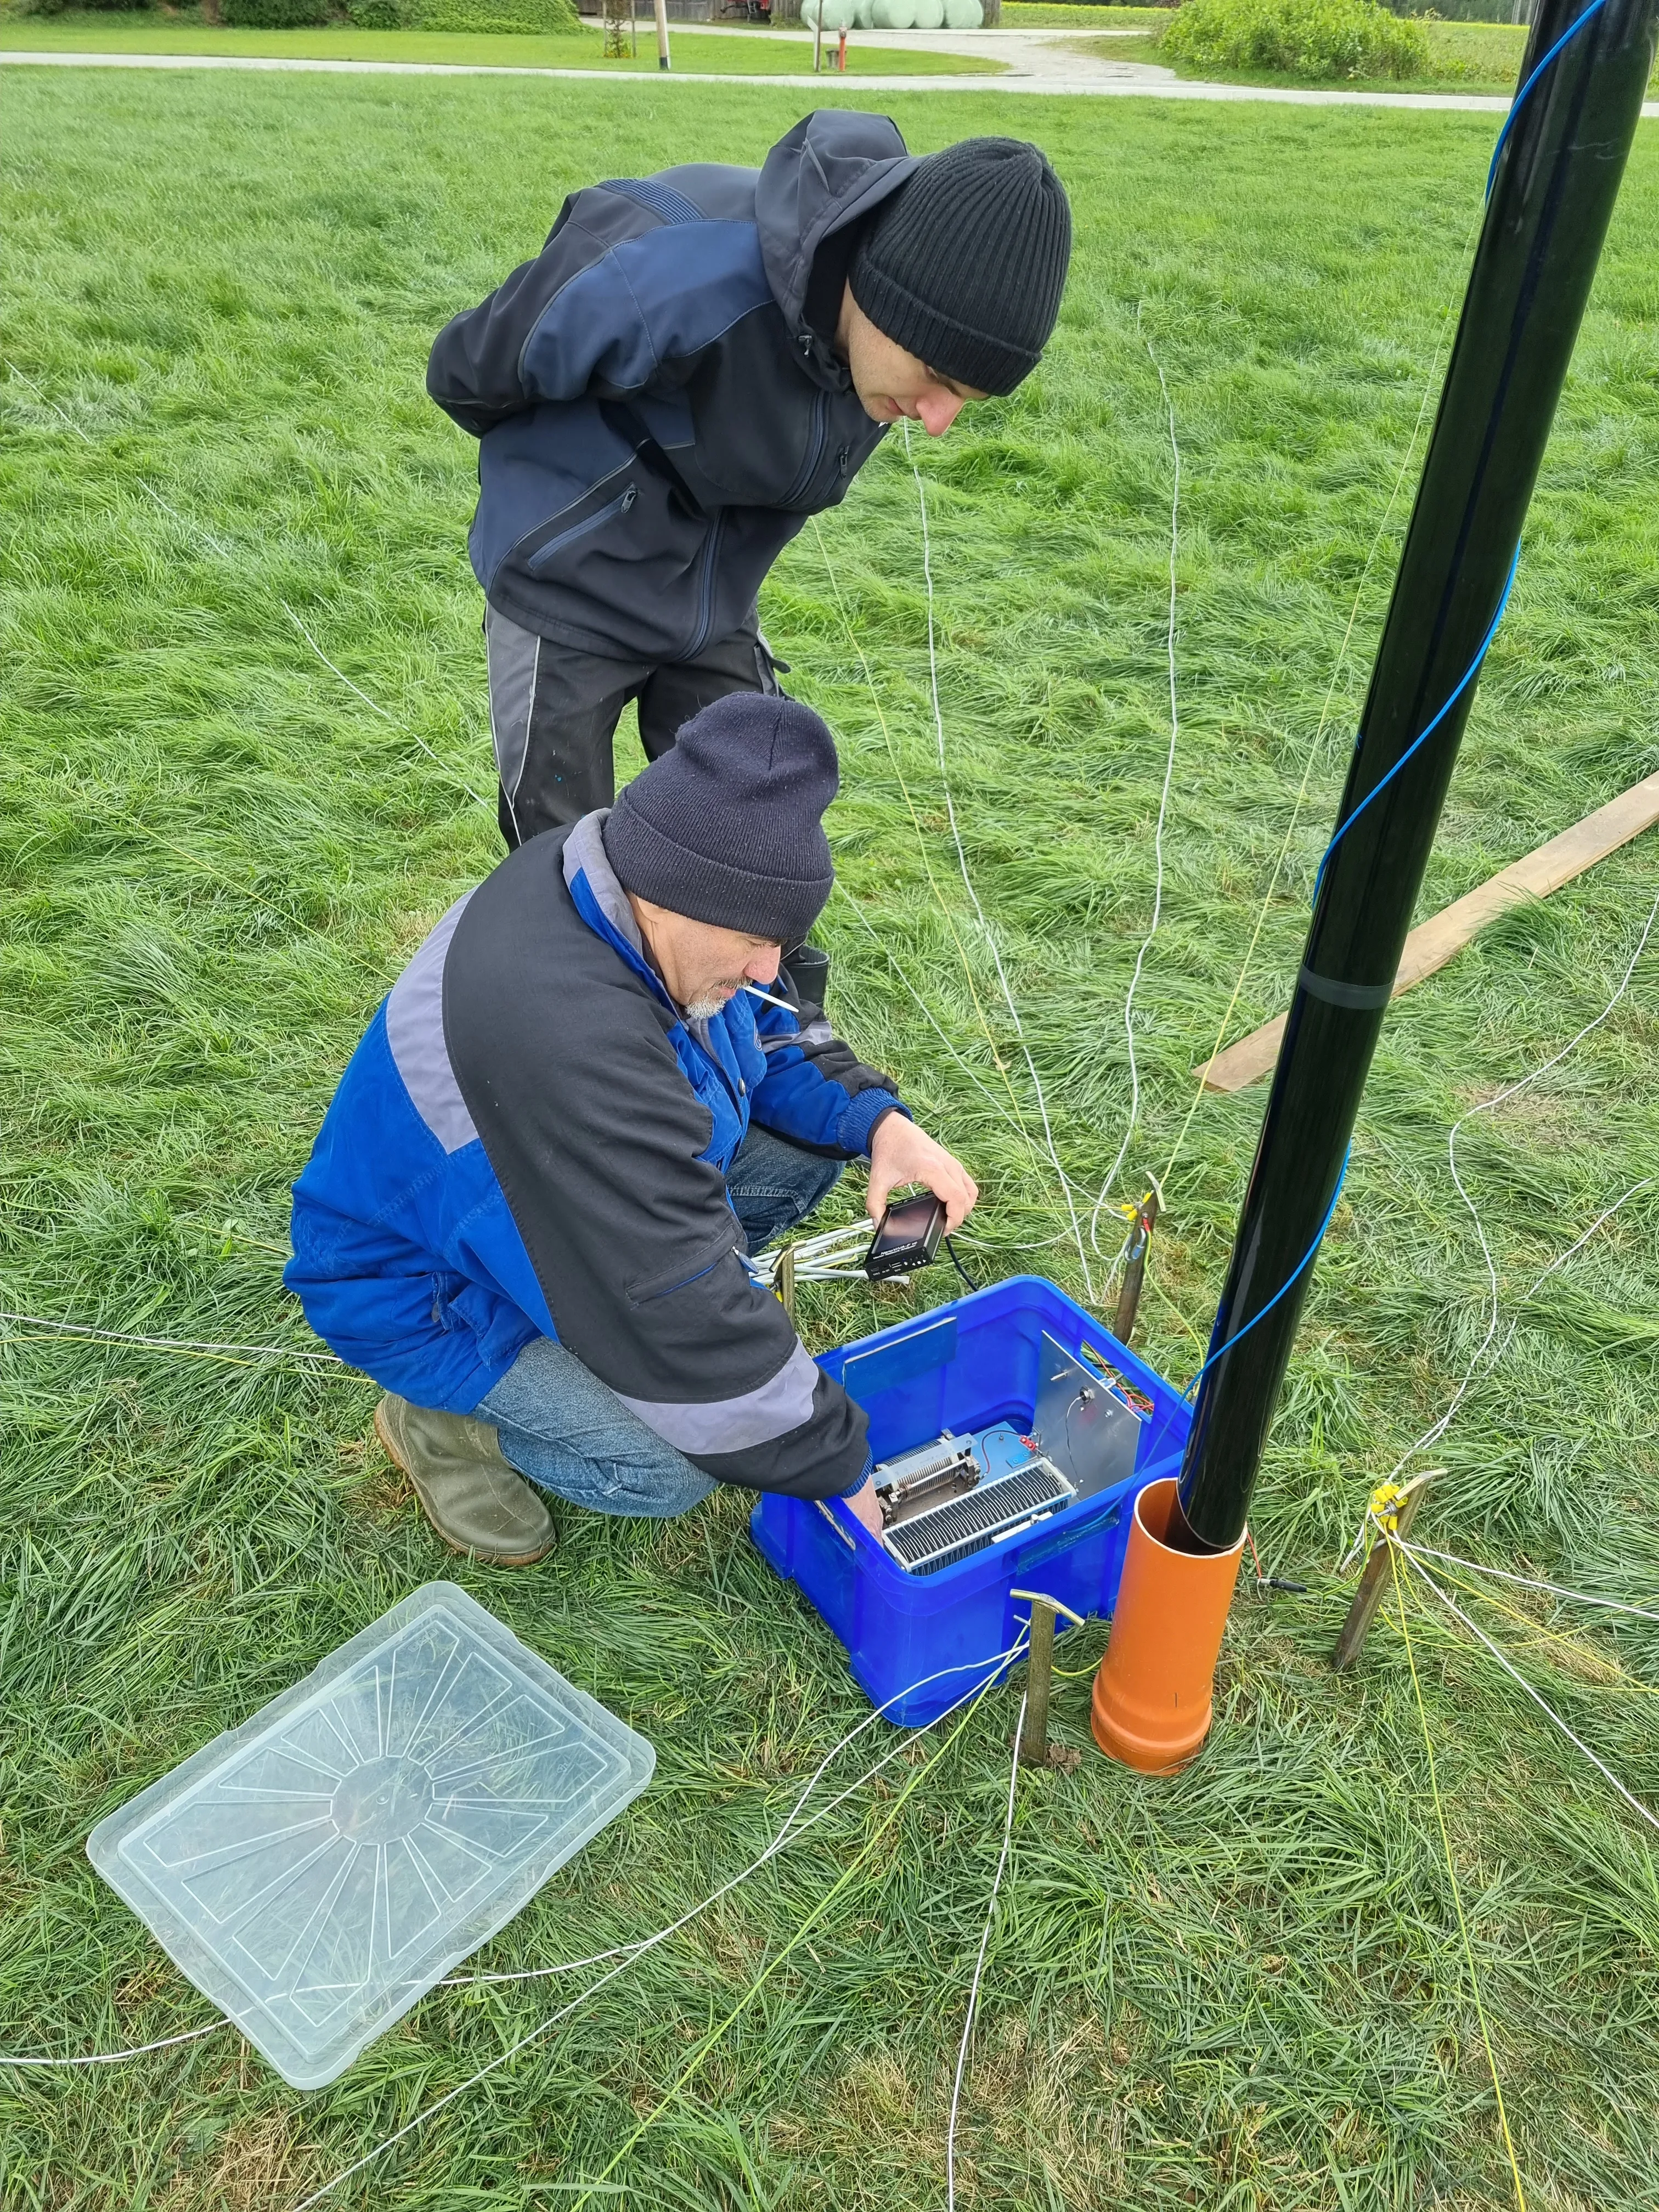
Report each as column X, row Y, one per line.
column 963, row 16
column 838, row 14
column 894, row 14
column 864, row 17
column 930, row 15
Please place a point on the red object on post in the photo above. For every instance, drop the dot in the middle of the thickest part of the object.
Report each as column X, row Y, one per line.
column 1153, row 1695
column 841, row 51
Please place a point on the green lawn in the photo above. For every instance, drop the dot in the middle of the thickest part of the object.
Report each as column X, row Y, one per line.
column 1462, row 57
column 757, row 53
column 1049, row 14
column 1244, row 1988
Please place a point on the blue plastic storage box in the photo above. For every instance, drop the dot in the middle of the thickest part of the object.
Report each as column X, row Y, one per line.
column 961, row 1367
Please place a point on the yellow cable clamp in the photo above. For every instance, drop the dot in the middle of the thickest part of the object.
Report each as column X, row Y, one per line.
column 1384, row 1509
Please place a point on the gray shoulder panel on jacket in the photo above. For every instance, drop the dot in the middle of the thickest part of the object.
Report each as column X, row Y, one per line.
column 732, row 1425
column 415, row 1032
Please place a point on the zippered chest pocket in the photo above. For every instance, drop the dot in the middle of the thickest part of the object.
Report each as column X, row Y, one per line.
column 544, row 554
column 816, row 439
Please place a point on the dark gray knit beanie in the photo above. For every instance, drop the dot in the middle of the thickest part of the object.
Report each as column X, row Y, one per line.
column 727, row 825
column 965, row 264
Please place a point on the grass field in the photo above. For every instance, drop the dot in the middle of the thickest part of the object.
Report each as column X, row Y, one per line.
column 1245, row 1987
column 95, row 31
column 1049, row 14
column 1462, row 57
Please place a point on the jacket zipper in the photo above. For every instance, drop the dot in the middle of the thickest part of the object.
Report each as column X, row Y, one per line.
column 814, row 450
column 705, row 612
column 537, row 561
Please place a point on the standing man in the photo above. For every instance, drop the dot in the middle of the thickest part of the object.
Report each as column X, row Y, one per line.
column 693, row 364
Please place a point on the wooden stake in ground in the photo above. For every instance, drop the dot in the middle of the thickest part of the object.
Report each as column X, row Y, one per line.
column 1035, row 1748
column 1396, row 1517
column 662, row 34
column 1039, row 1677
column 1135, row 1270
column 1434, row 943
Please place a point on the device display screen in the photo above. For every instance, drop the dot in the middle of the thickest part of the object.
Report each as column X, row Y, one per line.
column 909, row 1234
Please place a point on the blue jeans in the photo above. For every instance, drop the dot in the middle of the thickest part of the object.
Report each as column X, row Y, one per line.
column 571, row 1434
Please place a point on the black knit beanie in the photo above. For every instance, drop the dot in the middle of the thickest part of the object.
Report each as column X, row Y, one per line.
column 727, row 825
column 965, row 264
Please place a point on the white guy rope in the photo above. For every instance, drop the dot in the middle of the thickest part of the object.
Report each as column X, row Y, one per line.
column 172, row 1343
column 1525, row 1581
column 111, row 2057
column 1162, row 808
column 1542, row 1703
column 967, row 1237
column 1444, row 1422
column 454, row 774
column 541, row 2028
column 979, row 1970
column 968, row 882
column 792, row 1828
column 984, row 1089
column 198, row 530
column 1488, row 1106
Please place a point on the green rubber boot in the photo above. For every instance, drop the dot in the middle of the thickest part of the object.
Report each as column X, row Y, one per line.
column 477, row 1503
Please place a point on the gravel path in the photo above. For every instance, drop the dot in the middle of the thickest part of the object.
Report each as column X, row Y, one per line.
column 1035, row 62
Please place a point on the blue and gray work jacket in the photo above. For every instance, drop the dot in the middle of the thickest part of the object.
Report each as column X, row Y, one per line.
column 530, row 1141
column 658, row 403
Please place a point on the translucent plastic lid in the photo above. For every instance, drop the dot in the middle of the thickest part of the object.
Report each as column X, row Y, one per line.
column 316, row 1870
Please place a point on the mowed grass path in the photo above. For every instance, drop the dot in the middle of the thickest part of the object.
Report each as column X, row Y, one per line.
column 1245, row 1987
column 758, row 54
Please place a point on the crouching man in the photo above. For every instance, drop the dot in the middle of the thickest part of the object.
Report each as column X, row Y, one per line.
column 527, row 1212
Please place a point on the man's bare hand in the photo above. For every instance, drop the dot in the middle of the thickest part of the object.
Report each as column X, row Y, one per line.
column 863, row 1505
column 901, row 1153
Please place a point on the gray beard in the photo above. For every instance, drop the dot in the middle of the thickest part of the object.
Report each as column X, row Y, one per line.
column 704, row 1010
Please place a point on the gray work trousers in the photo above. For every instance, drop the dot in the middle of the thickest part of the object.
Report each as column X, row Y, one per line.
column 554, row 711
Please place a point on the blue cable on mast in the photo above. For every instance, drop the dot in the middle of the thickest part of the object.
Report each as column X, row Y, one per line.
column 1461, row 685
column 1571, row 31
column 1474, row 668
column 1302, row 1263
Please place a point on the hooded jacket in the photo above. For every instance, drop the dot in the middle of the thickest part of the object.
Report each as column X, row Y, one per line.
column 656, row 417
column 530, row 1141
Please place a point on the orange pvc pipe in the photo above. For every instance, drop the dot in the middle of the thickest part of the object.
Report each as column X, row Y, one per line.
column 1152, row 1696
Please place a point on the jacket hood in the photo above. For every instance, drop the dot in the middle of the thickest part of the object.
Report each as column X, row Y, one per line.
column 834, row 167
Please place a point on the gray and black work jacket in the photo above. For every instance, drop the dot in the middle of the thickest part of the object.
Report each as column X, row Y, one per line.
column 530, row 1141
column 656, row 415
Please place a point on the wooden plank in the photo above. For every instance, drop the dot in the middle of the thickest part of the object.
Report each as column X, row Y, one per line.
column 1434, row 942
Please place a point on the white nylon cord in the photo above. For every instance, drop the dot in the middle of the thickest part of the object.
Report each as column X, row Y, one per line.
column 979, row 1969
column 198, row 530
column 454, row 774
column 1444, row 1422
column 172, row 1343
column 1162, row 809
column 792, row 1828
column 112, row 2057
column 1439, row 1428
column 988, row 934
column 1525, row 1581
column 535, row 2034
column 1543, row 1704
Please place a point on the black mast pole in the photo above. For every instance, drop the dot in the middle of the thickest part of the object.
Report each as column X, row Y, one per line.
column 1555, row 179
